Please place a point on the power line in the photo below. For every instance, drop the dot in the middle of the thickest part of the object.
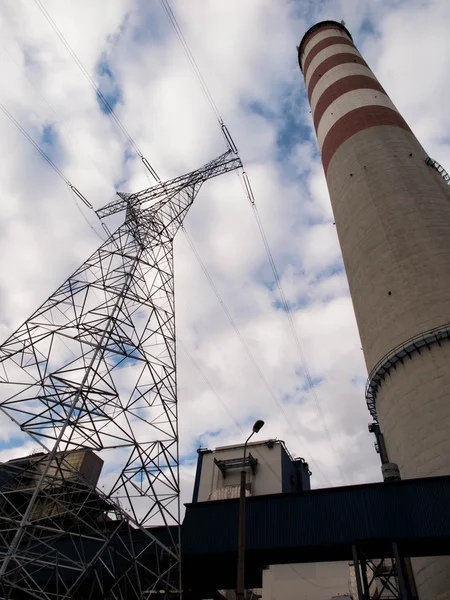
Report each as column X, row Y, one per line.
column 38, row 148
column 76, row 193
column 176, row 27
column 84, row 216
column 247, row 349
column 45, row 100
column 249, row 192
column 222, row 402
column 100, row 95
column 194, row 66
column 45, row 156
column 230, row 143
column 288, row 311
column 208, row 382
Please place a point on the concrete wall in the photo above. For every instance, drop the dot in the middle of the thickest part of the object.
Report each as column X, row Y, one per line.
column 392, row 213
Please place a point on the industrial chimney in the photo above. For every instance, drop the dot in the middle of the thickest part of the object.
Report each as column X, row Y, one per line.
column 392, row 212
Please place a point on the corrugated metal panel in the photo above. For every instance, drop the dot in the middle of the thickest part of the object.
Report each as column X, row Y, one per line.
column 414, row 509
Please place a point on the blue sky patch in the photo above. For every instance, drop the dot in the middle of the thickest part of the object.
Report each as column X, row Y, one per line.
column 152, row 26
column 50, row 143
column 315, row 381
column 329, row 271
column 290, row 134
column 110, row 92
column 258, row 108
column 14, row 442
column 49, row 135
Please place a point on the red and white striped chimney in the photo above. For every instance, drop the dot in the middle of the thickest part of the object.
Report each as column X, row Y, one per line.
column 344, row 94
column 392, row 214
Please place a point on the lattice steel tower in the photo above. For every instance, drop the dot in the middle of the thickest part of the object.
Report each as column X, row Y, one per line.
column 91, row 377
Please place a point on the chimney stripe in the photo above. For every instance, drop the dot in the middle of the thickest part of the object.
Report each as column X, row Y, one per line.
column 357, row 120
column 347, row 103
column 329, row 41
column 326, row 53
column 341, row 87
column 321, row 34
column 329, row 63
column 335, row 74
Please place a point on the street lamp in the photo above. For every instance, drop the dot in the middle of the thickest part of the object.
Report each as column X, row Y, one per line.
column 241, row 535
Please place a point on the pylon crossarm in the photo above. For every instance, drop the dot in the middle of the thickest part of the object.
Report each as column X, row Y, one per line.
column 165, row 191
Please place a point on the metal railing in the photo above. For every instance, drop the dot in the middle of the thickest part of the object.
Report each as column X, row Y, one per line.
column 439, row 168
column 404, row 350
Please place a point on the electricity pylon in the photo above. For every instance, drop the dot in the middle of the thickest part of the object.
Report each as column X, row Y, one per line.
column 91, row 376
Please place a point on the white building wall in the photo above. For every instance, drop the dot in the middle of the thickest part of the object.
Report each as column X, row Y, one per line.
column 310, row 581
column 266, row 480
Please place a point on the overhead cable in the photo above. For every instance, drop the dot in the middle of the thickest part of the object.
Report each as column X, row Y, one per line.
column 194, row 66
column 228, row 138
column 76, row 193
column 85, row 218
column 250, row 196
column 208, row 383
column 249, row 192
column 288, row 311
column 176, row 27
column 45, row 100
column 45, row 156
column 247, row 349
column 222, row 402
column 100, row 95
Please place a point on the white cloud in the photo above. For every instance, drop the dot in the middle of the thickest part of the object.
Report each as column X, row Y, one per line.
column 246, row 52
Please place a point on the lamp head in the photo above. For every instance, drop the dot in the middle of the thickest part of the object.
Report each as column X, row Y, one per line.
column 258, row 426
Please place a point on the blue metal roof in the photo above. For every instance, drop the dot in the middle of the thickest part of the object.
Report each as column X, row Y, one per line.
column 318, row 525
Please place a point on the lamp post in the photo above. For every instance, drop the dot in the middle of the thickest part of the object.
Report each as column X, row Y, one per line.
column 241, row 534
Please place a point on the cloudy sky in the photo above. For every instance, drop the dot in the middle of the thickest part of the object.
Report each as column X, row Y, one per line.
column 246, row 51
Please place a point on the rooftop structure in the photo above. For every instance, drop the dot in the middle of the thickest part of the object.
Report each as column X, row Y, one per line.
column 271, row 470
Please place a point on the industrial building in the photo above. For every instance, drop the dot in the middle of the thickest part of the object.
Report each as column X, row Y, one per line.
column 69, row 480
column 392, row 213
column 302, row 530
column 270, row 470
